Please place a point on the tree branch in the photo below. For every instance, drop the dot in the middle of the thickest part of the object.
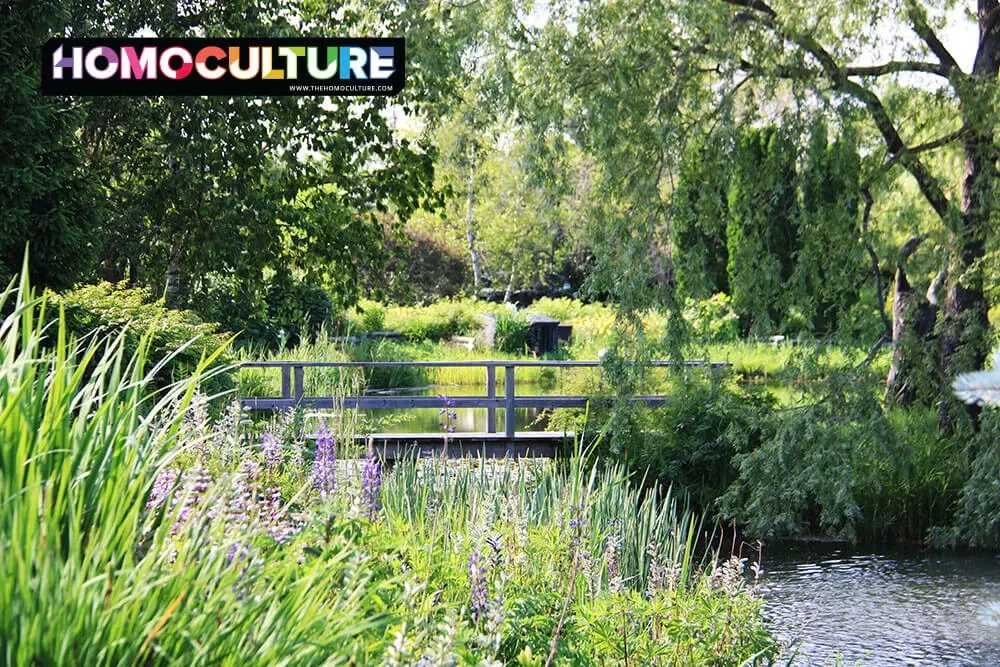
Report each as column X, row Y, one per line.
column 928, row 185
column 918, row 19
column 896, row 66
column 880, row 291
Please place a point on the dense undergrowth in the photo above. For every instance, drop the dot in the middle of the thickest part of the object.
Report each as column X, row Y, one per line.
column 135, row 529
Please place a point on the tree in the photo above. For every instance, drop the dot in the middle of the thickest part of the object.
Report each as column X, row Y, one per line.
column 246, row 186
column 762, row 235
column 699, row 210
column 829, row 269
column 47, row 197
column 646, row 74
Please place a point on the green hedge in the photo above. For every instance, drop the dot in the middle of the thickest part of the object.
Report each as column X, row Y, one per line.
column 106, row 310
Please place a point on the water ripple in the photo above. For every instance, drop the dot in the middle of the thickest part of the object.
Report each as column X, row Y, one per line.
column 884, row 608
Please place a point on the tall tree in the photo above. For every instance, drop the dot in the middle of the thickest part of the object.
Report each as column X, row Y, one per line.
column 48, row 199
column 699, row 210
column 829, row 269
column 663, row 69
column 762, row 235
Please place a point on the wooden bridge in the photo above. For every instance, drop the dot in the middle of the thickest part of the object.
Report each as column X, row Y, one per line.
column 489, row 443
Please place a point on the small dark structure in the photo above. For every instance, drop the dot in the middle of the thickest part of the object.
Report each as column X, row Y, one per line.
column 564, row 333
column 543, row 335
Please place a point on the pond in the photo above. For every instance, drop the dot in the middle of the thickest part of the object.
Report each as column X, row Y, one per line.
column 468, row 420
column 883, row 608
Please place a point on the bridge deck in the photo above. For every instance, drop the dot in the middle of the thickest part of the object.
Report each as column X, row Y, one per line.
column 524, row 444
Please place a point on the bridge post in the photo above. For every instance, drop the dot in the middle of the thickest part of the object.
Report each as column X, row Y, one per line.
column 300, row 387
column 508, row 392
column 286, row 382
column 491, row 392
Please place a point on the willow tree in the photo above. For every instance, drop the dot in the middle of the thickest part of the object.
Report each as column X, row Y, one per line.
column 641, row 77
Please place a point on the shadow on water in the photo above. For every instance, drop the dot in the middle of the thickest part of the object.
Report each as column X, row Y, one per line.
column 891, row 607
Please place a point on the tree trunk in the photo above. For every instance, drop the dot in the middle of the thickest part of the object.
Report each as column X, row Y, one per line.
column 470, row 234
column 173, row 292
column 912, row 332
column 965, row 340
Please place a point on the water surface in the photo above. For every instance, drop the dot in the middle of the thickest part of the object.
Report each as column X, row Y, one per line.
column 884, row 608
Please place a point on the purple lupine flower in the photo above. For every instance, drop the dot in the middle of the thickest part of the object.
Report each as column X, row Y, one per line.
column 449, row 415
column 611, row 549
column 477, row 584
column 196, row 482
column 273, row 454
column 236, row 552
column 324, row 473
column 243, row 496
column 371, row 485
column 163, row 486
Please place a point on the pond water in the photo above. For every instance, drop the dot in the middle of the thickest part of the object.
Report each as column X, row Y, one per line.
column 885, row 608
column 468, row 420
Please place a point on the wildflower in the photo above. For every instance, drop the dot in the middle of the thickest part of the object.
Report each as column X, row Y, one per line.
column 611, row 552
column 163, row 486
column 449, row 415
column 477, row 584
column 196, row 482
column 496, row 544
column 324, row 473
column 371, row 485
column 273, row 454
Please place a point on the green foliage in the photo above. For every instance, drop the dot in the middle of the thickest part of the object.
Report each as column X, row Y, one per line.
column 47, row 196
column 840, row 465
column 699, row 213
column 175, row 339
column 511, row 332
column 373, row 318
column 828, row 272
column 422, row 269
column 437, row 321
column 694, row 438
column 978, row 516
column 762, row 235
column 269, row 315
column 712, row 320
column 108, row 561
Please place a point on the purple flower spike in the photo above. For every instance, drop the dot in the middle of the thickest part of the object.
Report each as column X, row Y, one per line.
column 477, row 584
column 371, row 485
column 273, row 454
column 163, row 486
column 324, row 473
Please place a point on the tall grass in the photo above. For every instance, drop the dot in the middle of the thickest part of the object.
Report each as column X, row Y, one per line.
column 88, row 575
column 447, row 500
column 105, row 561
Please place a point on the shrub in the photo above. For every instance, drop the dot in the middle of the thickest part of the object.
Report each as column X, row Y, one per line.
column 280, row 313
column 713, row 319
column 437, row 321
column 373, row 318
column 421, row 269
column 105, row 310
column 512, row 332
column 841, row 465
column 694, row 437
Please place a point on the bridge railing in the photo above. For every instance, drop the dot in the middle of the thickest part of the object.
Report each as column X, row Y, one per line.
column 293, row 388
